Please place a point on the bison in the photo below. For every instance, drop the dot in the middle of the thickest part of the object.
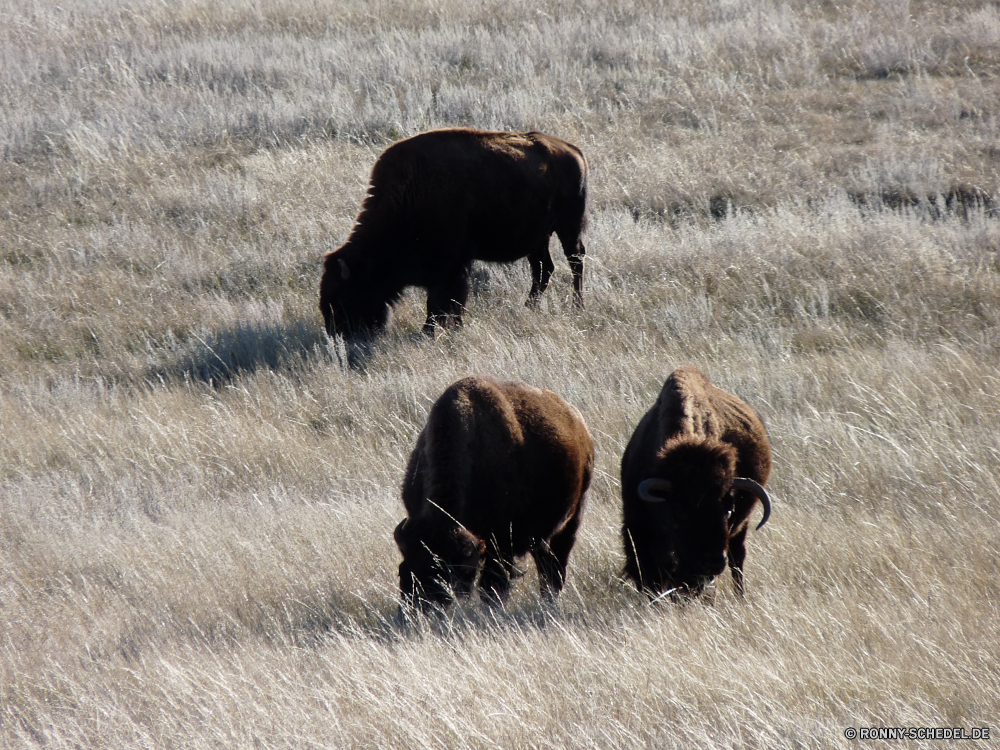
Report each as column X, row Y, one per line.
column 440, row 200
column 500, row 469
column 691, row 474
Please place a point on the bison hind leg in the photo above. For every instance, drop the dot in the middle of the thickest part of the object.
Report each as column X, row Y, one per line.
column 574, row 251
column 551, row 570
column 552, row 558
column 541, row 266
column 576, row 266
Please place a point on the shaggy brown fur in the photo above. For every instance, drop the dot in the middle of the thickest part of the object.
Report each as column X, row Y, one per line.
column 499, row 470
column 697, row 438
column 439, row 201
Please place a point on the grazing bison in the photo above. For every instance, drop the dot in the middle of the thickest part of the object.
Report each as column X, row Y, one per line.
column 499, row 470
column 442, row 199
column 691, row 474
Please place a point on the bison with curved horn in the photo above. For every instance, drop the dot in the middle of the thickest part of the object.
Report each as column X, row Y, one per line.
column 442, row 199
column 692, row 473
column 500, row 470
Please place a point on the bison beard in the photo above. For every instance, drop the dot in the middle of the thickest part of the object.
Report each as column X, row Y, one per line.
column 439, row 201
column 500, row 470
column 691, row 475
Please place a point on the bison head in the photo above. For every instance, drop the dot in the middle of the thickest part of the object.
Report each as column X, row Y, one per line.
column 439, row 560
column 350, row 306
column 691, row 499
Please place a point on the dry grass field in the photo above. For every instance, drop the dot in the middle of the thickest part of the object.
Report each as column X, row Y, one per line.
column 198, row 488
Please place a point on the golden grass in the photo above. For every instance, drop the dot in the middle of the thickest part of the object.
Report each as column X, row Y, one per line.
column 198, row 488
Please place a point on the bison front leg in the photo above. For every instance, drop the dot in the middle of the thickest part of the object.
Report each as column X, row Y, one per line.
column 737, row 554
column 446, row 302
column 494, row 580
column 541, row 265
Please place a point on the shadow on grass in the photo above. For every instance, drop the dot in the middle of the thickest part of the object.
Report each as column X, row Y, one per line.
column 216, row 358
column 385, row 620
column 962, row 201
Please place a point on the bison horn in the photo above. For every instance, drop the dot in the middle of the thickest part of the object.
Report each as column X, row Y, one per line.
column 397, row 533
column 741, row 483
column 647, row 486
column 345, row 272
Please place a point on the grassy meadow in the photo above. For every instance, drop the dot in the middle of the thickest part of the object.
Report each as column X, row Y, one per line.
column 198, row 488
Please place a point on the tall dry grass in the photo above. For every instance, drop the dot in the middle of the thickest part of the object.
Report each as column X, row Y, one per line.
column 198, row 488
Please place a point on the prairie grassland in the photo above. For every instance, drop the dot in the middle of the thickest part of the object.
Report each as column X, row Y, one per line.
column 198, row 488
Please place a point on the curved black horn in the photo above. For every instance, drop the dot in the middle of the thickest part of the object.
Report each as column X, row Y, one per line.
column 646, row 487
column 741, row 483
column 397, row 533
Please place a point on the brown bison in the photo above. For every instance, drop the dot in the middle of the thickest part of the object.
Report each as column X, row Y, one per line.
column 691, row 475
column 499, row 470
column 439, row 201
